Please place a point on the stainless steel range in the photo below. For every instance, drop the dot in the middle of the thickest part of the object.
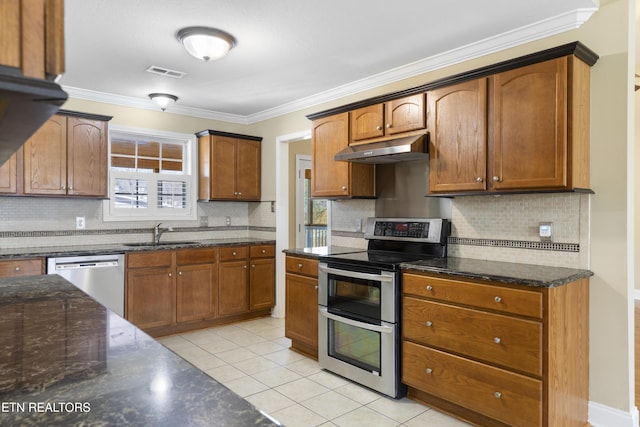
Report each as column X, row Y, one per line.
column 359, row 298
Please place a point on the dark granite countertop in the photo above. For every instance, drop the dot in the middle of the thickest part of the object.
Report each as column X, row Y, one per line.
column 319, row 251
column 504, row 272
column 81, row 250
column 69, row 361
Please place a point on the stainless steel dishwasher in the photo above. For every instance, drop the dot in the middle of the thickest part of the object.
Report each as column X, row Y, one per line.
column 100, row 276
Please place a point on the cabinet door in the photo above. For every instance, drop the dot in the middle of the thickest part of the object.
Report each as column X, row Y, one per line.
column 86, row 336
column 21, row 267
column 328, row 177
column 8, row 176
column 301, row 317
column 404, row 114
column 196, row 292
column 529, row 138
column 86, row 157
column 223, row 168
column 232, row 288
column 151, row 297
column 262, row 283
column 457, row 123
column 248, row 170
column 45, row 159
column 367, row 122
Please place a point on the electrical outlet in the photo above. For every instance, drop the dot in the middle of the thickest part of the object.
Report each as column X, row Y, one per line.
column 358, row 224
column 80, row 223
column 228, row 220
column 204, row 221
column 545, row 231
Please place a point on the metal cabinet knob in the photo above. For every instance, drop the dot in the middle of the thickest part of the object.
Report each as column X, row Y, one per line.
column 234, row 253
column 497, row 395
column 497, row 340
column 299, row 265
column 170, row 275
column 179, row 273
column 378, row 127
column 264, row 251
column 244, row 266
column 429, row 371
column 239, row 193
column 497, row 299
column 253, row 266
column 429, row 287
column 496, row 178
column 344, row 188
column 17, row 268
column 389, row 125
column 429, row 323
column 479, row 179
column 316, row 287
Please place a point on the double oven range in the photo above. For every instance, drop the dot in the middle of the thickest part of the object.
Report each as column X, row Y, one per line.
column 359, row 297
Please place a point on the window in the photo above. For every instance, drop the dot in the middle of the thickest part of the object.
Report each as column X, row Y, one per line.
column 150, row 175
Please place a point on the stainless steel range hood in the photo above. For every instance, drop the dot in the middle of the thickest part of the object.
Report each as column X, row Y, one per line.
column 391, row 151
column 25, row 104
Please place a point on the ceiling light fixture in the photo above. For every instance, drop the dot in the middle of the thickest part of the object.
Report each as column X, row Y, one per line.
column 206, row 43
column 163, row 99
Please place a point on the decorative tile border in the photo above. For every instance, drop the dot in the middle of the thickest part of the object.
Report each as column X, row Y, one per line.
column 516, row 244
column 56, row 233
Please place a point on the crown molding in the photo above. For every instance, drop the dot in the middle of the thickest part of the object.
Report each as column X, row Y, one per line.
column 539, row 30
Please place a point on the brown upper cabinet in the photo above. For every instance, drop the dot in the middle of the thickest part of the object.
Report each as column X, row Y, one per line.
column 375, row 122
column 522, row 129
column 330, row 178
column 229, row 166
column 67, row 156
column 32, row 34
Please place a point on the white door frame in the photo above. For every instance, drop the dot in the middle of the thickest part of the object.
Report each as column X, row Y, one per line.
column 282, row 216
column 302, row 161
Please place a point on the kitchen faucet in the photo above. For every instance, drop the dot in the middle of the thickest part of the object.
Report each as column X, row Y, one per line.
column 157, row 232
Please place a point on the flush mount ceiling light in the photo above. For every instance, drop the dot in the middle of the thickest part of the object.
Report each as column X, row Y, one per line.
column 206, row 43
column 163, row 99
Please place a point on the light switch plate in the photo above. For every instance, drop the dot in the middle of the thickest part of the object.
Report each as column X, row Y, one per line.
column 545, row 231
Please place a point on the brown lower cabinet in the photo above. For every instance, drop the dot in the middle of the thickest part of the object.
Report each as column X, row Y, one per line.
column 22, row 267
column 170, row 291
column 301, row 317
column 495, row 354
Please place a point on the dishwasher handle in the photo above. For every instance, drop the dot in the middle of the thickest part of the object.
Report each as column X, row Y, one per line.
column 87, row 264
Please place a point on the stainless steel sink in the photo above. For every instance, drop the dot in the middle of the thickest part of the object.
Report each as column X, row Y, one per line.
column 184, row 242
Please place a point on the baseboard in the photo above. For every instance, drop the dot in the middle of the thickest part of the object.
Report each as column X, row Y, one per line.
column 606, row 416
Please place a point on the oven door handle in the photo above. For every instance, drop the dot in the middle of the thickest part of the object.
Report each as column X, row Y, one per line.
column 377, row 328
column 356, row 275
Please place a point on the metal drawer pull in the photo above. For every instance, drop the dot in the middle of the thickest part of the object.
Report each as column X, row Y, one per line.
column 429, row 371
column 497, row 299
column 497, row 395
column 429, row 323
column 429, row 287
column 299, row 265
column 497, row 340
column 234, row 253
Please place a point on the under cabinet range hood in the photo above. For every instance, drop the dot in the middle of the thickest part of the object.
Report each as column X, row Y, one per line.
column 25, row 105
column 390, row 151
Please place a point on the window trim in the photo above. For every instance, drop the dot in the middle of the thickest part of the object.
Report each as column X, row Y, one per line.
column 110, row 213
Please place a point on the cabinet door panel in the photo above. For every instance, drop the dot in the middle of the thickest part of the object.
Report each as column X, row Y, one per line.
column 232, row 288
column 87, row 157
column 8, row 176
column 196, row 290
column 248, row 170
column 457, row 122
column 223, row 165
column 151, row 297
column 301, row 318
column 405, row 114
column 45, row 159
column 530, row 126
column 262, row 292
column 330, row 178
column 367, row 122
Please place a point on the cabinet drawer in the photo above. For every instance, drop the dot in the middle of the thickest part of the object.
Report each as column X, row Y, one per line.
column 511, row 398
column 262, row 251
column 494, row 338
column 508, row 300
column 150, row 259
column 21, row 267
column 197, row 256
column 234, row 253
column 304, row 266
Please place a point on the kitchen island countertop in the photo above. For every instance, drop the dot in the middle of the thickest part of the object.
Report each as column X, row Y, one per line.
column 70, row 361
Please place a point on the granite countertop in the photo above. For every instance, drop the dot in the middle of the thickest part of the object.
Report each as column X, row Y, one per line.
column 82, row 250
column 319, row 251
column 503, row 272
column 68, row 360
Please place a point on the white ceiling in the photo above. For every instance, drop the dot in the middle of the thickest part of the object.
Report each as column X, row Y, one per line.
column 290, row 53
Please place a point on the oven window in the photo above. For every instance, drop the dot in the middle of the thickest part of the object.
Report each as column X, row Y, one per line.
column 356, row 298
column 357, row 346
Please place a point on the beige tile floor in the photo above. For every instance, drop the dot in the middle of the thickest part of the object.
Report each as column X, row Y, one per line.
column 253, row 359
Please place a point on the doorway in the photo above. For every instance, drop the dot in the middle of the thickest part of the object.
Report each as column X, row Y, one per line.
column 311, row 214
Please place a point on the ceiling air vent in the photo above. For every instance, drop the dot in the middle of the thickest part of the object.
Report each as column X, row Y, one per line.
column 161, row 71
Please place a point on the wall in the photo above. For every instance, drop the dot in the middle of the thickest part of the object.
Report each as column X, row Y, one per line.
column 611, row 238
